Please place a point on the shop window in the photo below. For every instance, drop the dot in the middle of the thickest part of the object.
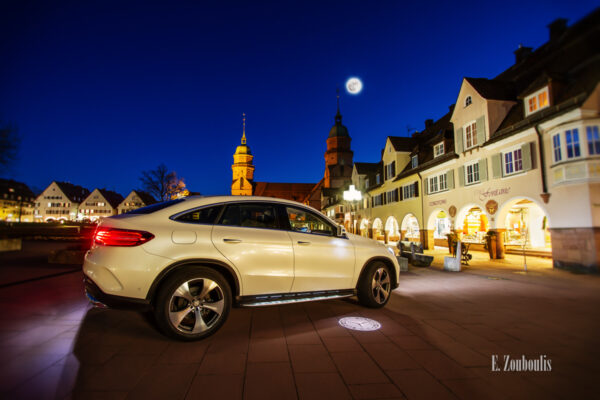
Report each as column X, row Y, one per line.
column 513, row 162
column 593, row 139
column 472, row 173
column 475, row 226
column 470, row 135
column 572, row 139
column 556, row 147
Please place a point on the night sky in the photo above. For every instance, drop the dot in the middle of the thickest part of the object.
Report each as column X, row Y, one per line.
column 101, row 91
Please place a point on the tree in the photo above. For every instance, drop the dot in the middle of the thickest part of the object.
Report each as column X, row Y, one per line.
column 9, row 145
column 162, row 184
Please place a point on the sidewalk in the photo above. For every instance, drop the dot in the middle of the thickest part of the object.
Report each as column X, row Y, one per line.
column 437, row 338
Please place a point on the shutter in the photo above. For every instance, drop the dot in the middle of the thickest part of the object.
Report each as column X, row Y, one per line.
column 401, row 193
column 383, row 199
column 450, row 179
column 483, row 176
column 526, row 156
column 497, row 165
column 458, row 140
column 461, row 176
column 384, row 173
column 426, row 186
column 398, row 191
column 480, row 130
column 416, row 188
column 393, row 169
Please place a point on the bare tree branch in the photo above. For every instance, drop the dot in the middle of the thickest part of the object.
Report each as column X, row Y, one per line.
column 9, row 145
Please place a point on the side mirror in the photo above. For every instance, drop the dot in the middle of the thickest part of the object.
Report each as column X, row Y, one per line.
column 340, row 231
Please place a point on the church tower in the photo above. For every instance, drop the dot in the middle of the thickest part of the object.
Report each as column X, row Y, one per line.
column 338, row 157
column 243, row 169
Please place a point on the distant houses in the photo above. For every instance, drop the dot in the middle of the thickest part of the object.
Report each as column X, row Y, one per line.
column 64, row 201
column 16, row 201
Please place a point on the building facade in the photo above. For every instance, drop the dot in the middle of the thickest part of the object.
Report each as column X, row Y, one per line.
column 518, row 157
column 16, row 201
column 59, row 202
column 101, row 203
column 134, row 200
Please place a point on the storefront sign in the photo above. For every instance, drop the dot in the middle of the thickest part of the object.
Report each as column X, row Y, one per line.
column 491, row 206
column 452, row 211
column 437, row 202
column 493, row 193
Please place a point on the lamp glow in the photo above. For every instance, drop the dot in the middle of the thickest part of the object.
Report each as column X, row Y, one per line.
column 352, row 194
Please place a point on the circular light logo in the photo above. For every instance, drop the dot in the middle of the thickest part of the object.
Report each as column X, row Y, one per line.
column 359, row 324
column 354, row 85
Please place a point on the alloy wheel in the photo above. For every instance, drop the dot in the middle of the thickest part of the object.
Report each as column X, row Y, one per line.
column 196, row 305
column 381, row 285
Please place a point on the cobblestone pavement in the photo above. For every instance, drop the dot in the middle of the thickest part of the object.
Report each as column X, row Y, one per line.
column 437, row 338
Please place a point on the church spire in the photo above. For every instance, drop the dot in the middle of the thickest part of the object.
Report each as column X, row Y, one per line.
column 338, row 115
column 243, row 128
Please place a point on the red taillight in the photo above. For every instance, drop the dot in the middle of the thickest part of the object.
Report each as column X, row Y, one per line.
column 121, row 237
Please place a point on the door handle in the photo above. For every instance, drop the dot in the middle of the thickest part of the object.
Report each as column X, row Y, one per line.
column 232, row 240
column 302, row 243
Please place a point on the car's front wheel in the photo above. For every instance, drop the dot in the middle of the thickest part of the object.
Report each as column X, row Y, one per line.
column 193, row 304
column 375, row 287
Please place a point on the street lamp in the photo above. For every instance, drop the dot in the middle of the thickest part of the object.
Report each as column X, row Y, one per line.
column 352, row 195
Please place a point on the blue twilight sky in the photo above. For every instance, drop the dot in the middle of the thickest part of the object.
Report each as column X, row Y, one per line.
column 102, row 90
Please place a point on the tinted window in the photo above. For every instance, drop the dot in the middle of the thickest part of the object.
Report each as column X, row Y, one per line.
column 155, row 207
column 307, row 222
column 206, row 215
column 250, row 215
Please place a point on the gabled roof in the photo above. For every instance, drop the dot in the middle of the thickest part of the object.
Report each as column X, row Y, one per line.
column 145, row 197
column 75, row 193
column 13, row 190
column 401, row 143
column 113, row 198
column 493, row 89
column 363, row 168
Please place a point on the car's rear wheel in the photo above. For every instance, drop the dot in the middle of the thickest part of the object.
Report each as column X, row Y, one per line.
column 193, row 304
column 375, row 287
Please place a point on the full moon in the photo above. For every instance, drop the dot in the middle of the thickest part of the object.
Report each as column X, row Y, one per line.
column 354, row 86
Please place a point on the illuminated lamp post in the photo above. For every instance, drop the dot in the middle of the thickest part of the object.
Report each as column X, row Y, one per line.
column 352, row 196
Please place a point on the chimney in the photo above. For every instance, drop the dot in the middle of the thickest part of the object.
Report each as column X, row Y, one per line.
column 557, row 28
column 428, row 123
column 522, row 53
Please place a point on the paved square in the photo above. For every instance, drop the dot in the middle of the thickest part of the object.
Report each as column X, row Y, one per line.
column 437, row 338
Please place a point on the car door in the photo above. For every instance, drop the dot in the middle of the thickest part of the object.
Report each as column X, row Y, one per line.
column 249, row 235
column 322, row 261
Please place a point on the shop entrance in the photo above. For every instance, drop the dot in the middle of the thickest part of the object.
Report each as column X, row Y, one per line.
column 410, row 228
column 526, row 225
column 378, row 229
column 364, row 227
column 391, row 228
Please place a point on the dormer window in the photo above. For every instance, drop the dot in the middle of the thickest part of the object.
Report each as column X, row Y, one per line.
column 367, row 183
column 414, row 161
column 438, row 150
column 468, row 101
column 378, row 179
column 537, row 101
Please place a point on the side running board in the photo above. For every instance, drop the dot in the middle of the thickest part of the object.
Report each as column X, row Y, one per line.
column 288, row 298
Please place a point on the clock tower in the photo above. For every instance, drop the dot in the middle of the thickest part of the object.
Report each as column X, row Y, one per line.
column 243, row 169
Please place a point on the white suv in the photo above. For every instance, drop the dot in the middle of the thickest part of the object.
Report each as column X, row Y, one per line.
column 191, row 259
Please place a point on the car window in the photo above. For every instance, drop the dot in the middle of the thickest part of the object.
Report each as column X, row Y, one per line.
column 250, row 215
column 307, row 222
column 206, row 215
